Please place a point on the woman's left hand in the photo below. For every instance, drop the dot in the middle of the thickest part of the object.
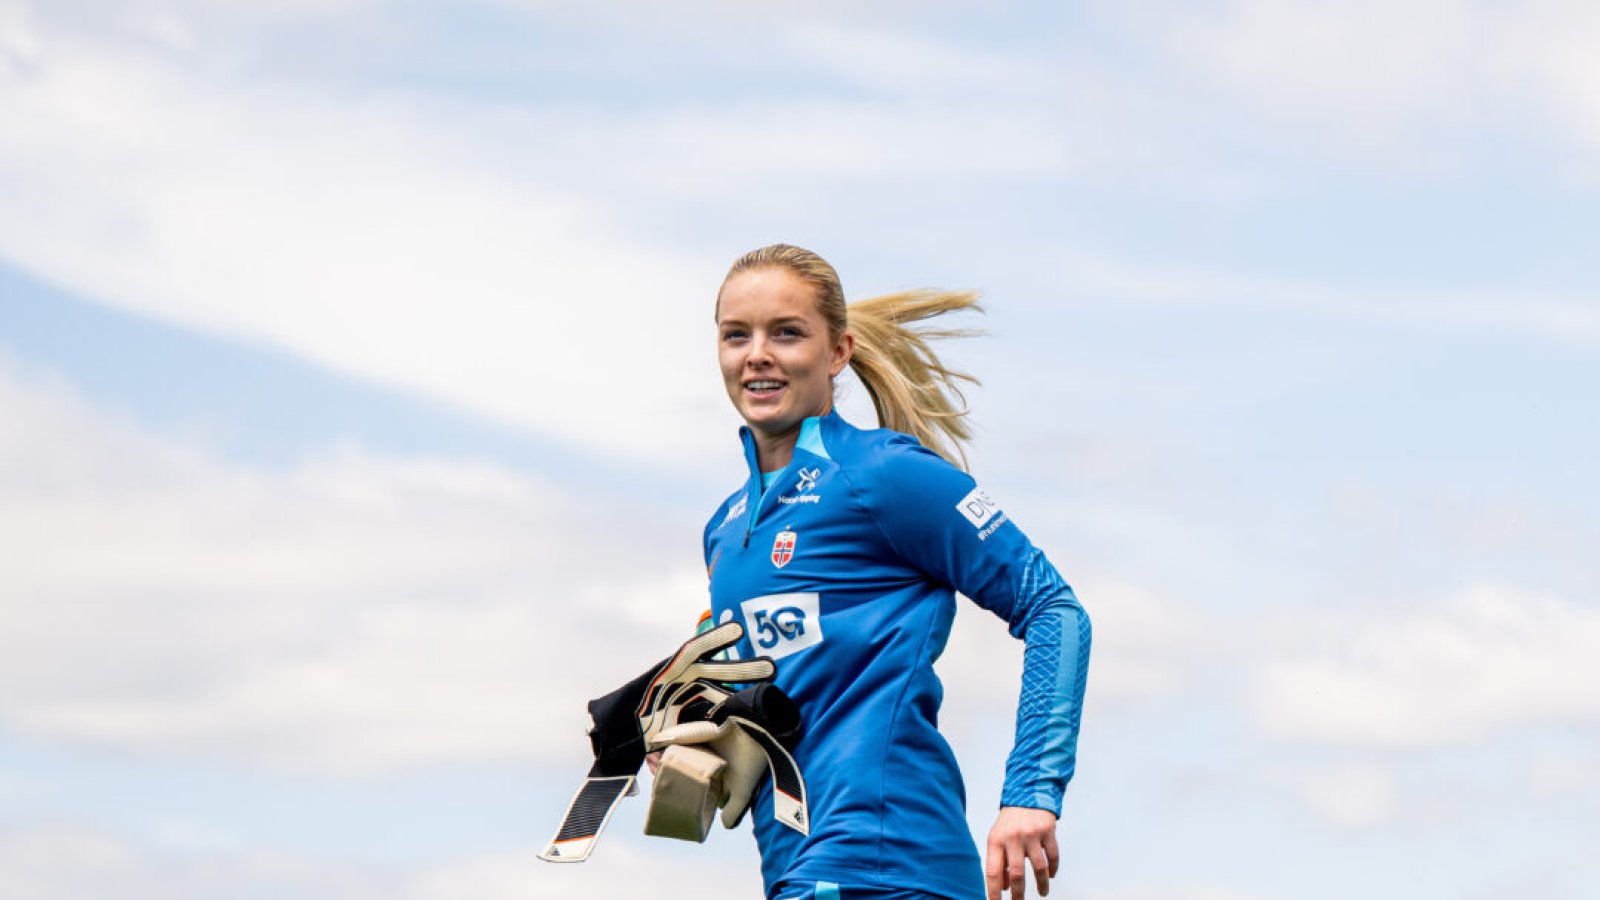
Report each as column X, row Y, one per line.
column 1021, row 838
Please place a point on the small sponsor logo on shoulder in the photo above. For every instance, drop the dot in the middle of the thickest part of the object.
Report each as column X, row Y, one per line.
column 781, row 624
column 982, row 512
column 977, row 507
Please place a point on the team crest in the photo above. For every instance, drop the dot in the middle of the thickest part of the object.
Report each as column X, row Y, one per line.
column 783, row 548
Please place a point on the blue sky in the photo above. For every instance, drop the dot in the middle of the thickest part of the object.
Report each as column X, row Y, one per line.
column 360, row 418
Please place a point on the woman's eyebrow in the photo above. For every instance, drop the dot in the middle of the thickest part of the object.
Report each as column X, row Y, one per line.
column 773, row 323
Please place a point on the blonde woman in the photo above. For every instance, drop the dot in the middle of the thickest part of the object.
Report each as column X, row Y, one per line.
column 840, row 555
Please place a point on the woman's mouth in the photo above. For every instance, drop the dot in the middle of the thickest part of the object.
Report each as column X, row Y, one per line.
column 763, row 386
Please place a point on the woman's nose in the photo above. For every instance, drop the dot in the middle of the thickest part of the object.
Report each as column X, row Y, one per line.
column 759, row 351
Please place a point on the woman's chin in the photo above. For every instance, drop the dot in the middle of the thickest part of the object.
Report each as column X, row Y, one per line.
column 769, row 421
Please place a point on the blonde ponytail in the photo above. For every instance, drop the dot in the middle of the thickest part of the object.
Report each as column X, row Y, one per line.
column 911, row 389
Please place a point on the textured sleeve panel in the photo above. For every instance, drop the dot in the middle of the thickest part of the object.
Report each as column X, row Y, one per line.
column 1049, row 711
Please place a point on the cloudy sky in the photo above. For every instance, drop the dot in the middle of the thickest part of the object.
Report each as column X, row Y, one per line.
column 359, row 417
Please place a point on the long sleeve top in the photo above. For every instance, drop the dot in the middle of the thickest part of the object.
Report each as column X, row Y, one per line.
column 844, row 568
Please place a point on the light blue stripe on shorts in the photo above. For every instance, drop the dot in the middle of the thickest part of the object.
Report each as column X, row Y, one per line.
column 820, row 890
column 827, row 890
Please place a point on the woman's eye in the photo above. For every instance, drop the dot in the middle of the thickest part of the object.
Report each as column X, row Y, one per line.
column 732, row 335
column 787, row 331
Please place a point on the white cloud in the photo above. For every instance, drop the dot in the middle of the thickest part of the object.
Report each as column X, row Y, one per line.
column 1572, row 319
column 1485, row 661
column 356, row 231
column 474, row 252
column 900, row 62
column 1176, row 891
column 352, row 614
column 1565, row 775
column 458, row 248
column 1552, row 50
column 58, row 862
column 1372, row 72
column 1358, row 61
column 623, row 867
column 1146, row 646
column 1352, row 794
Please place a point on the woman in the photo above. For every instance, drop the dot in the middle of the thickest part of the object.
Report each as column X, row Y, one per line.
column 840, row 555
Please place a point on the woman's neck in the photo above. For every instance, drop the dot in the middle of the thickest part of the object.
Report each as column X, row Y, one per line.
column 773, row 452
column 775, row 449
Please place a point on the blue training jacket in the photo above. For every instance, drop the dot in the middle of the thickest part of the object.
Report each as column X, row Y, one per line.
column 845, row 571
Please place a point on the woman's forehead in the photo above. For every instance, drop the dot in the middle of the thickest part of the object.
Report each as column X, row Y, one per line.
column 765, row 294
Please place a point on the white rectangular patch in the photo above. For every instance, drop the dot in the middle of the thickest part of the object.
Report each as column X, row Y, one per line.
column 977, row 507
column 781, row 624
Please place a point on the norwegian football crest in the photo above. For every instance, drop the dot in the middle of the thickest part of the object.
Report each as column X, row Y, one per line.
column 783, row 548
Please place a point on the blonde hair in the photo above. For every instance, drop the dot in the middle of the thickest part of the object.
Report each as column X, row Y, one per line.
column 911, row 389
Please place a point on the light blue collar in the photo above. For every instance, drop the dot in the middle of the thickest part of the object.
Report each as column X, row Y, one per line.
column 810, row 440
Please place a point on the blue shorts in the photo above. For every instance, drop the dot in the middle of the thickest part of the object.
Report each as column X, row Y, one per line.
column 827, row 890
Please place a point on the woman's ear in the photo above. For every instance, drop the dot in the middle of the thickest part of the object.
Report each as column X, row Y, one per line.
column 842, row 351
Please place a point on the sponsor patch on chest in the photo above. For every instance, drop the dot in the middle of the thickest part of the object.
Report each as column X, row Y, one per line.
column 782, row 624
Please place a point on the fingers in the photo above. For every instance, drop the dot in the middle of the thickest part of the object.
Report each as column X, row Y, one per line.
column 1009, row 865
column 994, row 863
column 1021, row 839
column 1005, row 869
column 1041, row 868
column 653, row 760
column 1017, row 872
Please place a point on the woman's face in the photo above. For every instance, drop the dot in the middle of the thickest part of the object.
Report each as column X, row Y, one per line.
column 778, row 360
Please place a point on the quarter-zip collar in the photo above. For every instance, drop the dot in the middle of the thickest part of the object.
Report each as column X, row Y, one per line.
column 809, row 440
